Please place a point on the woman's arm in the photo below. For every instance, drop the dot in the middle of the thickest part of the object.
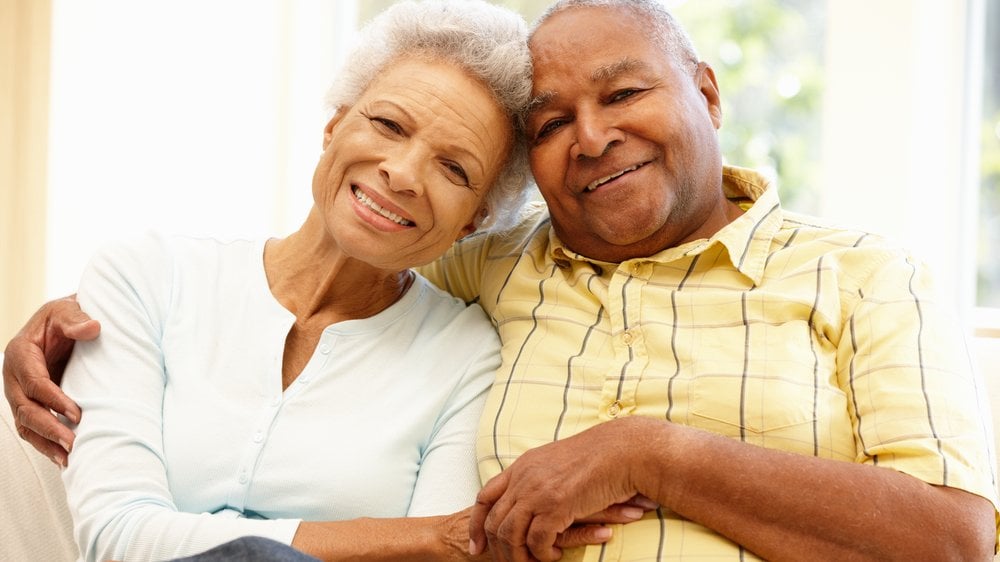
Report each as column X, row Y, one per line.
column 440, row 538
column 117, row 485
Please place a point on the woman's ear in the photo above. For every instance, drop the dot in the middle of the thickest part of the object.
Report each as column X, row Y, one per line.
column 338, row 114
column 477, row 220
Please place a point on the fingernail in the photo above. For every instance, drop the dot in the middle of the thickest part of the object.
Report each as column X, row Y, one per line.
column 58, row 460
column 64, row 445
column 632, row 512
column 645, row 502
column 472, row 547
column 602, row 533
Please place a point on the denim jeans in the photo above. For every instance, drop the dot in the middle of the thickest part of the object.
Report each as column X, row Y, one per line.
column 250, row 549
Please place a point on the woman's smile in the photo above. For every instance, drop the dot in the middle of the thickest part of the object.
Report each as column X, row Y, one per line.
column 384, row 219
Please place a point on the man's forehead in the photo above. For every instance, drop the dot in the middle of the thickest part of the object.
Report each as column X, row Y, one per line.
column 596, row 74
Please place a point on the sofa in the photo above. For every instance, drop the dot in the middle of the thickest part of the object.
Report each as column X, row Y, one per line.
column 35, row 522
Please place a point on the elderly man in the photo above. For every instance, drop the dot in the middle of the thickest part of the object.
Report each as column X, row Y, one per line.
column 782, row 389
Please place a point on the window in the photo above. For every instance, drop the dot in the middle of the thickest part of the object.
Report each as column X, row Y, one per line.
column 768, row 60
column 988, row 254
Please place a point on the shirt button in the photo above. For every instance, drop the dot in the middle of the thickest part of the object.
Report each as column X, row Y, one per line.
column 258, row 437
column 243, row 478
column 628, row 337
column 324, row 349
column 615, row 408
column 636, row 268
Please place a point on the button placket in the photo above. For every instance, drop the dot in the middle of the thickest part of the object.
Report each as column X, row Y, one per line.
column 615, row 409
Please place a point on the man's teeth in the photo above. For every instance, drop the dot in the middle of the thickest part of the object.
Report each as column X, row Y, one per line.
column 367, row 202
column 595, row 184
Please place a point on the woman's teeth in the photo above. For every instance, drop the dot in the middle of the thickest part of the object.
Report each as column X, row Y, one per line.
column 367, row 202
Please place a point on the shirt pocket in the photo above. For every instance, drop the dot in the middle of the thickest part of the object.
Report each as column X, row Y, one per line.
column 752, row 405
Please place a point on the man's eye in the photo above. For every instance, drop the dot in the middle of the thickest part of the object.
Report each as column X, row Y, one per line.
column 549, row 127
column 623, row 94
column 387, row 124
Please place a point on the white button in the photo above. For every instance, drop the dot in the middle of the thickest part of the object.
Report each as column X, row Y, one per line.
column 243, row 478
column 258, row 437
column 615, row 408
column 324, row 349
column 628, row 337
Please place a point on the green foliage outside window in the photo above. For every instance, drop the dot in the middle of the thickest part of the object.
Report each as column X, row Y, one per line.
column 767, row 56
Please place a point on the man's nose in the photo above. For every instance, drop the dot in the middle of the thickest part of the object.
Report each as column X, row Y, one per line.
column 595, row 134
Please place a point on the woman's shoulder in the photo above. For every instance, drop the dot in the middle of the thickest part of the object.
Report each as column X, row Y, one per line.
column 443, row 306
column 156, row 249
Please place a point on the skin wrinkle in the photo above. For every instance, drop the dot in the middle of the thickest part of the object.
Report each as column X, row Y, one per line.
column 479, row 140
column 449, row 148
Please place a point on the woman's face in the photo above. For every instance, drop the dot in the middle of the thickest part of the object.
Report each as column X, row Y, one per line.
column 405, row 169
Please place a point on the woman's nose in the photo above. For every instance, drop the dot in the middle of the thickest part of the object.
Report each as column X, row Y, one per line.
column 404, row 170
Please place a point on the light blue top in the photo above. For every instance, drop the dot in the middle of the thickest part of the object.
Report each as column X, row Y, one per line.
column 188, row 441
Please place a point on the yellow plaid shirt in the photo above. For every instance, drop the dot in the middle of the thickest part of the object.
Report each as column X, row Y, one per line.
column 778, row 331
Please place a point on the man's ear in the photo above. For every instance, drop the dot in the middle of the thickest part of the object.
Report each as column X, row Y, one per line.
column 709, row 88
column 338, row 114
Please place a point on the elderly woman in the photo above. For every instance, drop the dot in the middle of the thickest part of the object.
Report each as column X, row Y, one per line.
column 285, row 388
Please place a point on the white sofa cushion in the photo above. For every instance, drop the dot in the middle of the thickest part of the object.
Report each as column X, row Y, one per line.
column 34, row 520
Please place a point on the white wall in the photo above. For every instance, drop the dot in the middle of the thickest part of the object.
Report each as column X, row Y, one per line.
column 894, row 129
column 187, row 116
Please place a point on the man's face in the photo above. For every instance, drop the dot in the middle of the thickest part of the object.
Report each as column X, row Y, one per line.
column 623, row 146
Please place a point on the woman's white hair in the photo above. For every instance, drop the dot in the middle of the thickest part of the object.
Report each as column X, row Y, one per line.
column 487, row 41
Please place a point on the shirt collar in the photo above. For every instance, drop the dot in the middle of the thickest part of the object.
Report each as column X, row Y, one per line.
column 747, row 239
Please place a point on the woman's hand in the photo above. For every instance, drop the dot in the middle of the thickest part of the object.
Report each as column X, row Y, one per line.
column 586, row 530
column 33, row 365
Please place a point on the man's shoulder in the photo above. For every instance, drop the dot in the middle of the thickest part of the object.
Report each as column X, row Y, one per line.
column 835, row 233
column 851, row 250
column 529, row 233
column 532, row 223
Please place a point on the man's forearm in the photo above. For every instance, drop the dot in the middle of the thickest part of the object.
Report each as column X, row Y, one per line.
column 784, row 506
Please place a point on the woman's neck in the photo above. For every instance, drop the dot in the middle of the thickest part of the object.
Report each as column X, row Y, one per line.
column 320, row 285
column 314, row 279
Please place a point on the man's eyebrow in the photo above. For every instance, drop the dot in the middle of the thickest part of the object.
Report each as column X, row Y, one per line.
column 616, row 69
column 539, row 102
column 602, row 73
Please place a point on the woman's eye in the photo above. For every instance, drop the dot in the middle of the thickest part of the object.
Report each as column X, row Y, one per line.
column 458, row 171
column 388, row 124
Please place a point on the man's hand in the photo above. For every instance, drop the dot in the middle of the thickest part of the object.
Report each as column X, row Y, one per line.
column 33, row 365
column 521, row 513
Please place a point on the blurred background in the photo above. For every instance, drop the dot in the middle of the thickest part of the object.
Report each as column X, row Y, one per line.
column 206, row 117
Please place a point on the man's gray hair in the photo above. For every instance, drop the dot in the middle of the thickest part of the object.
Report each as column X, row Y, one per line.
column 487, row 41
column 667, row 32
